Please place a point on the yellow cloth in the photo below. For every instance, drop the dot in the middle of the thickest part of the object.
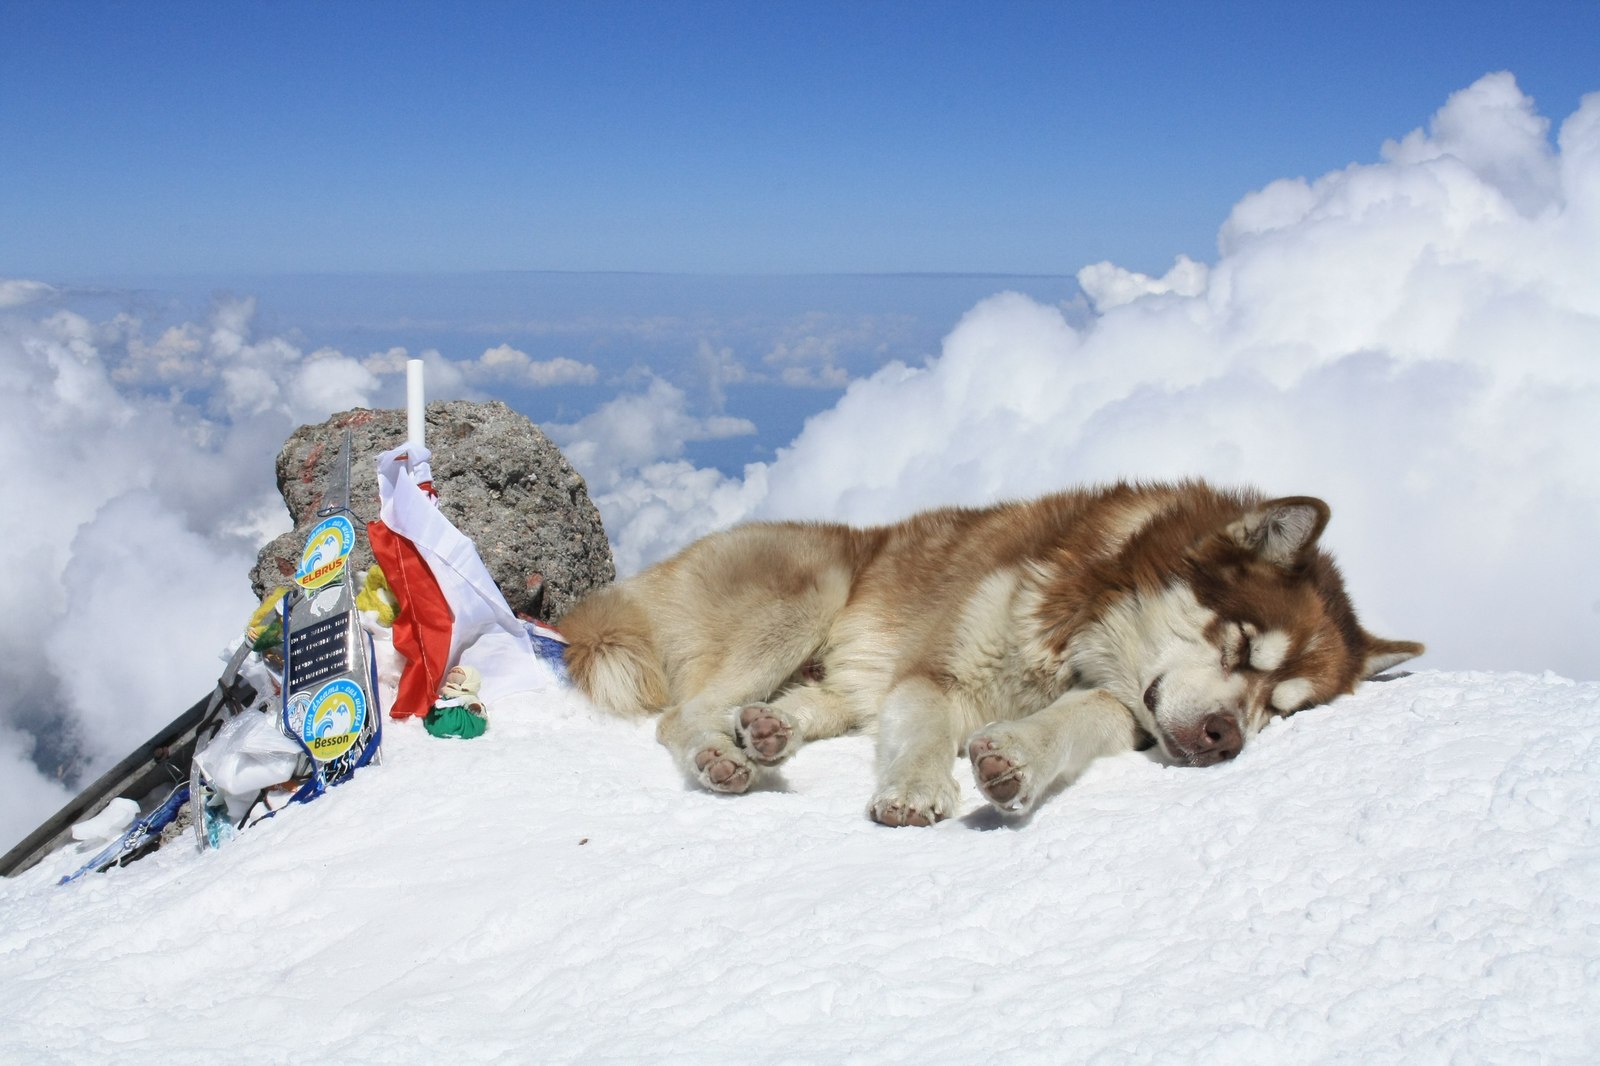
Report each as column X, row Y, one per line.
column 376, row 597
column 265, row 627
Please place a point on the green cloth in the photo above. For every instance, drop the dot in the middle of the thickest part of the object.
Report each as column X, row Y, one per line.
column 271, row 637
column 453, row 720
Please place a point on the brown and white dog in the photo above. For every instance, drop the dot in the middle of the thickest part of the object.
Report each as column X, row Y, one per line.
column 1034, row 636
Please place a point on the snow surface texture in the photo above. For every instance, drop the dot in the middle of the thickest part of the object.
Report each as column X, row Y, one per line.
column 1409, row 875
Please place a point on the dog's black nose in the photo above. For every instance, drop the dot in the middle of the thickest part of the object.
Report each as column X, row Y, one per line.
column 1218, row 740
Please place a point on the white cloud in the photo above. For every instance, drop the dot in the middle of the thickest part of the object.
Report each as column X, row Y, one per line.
column 638, row 429
column 818, row 350
column 815, row 377
column 651, row 500
column 222, row 367
column 139, row 587
column 171, row 358
column 26, row 796
column 721, row 368
column 1108, row 285
column 249, row 391
column 16, row 292
column 329, row 382
column 391, row 361
column 1493, row 130
column 1414, row 340
column 507, row 364
column 807, row 359
column 663, row 505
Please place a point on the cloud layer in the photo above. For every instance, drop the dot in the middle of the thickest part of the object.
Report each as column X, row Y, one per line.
column 1417, row 340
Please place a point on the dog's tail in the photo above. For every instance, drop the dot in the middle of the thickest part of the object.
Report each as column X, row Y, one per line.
column 611, row 653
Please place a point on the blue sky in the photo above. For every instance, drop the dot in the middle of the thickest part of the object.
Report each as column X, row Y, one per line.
column 148, row 139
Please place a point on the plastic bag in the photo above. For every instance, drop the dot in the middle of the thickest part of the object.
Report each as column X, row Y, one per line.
column 247, row 755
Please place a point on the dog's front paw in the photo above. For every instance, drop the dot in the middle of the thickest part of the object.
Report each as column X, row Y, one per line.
column 764, row 732
column 1000, row 768
column 722, row 767
column 915, row 802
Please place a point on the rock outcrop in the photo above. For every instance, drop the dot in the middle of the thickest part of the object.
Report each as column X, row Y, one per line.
column 500, row 481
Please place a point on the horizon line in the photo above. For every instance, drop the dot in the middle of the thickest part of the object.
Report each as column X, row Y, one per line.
column 77, row 281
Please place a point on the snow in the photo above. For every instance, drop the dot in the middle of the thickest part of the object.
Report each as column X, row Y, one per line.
column 1409, row 875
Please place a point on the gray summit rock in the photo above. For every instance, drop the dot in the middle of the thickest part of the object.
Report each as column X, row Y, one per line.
column 500, row 481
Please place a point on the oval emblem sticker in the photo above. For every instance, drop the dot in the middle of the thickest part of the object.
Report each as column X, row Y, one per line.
column 327, row 549
column 334, row 719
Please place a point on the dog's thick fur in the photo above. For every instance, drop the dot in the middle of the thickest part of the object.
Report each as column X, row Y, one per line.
column 1034, row 636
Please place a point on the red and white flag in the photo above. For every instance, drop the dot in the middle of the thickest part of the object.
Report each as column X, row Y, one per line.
column 451, row 611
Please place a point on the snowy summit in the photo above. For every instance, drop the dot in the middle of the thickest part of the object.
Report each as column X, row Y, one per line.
column 1411, row 874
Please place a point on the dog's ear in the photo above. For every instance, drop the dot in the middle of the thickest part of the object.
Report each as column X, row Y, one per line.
column 1382, row 654
column 1281, row 531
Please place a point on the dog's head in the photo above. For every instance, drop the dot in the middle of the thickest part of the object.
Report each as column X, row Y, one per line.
column 1254, row 624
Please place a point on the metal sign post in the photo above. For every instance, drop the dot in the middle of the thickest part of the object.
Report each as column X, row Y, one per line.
column 329, row 706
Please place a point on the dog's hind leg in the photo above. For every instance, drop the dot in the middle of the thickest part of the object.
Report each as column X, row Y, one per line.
column 700, row 737
column 1016, row 762
column 772, row 732
column 724, row 749
column 917, row 743
column 726, row 731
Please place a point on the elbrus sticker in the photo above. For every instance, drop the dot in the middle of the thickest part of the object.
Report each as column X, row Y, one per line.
column 334, row 719
column 326, row 551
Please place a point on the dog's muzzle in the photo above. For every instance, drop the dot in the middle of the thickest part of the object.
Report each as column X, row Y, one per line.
column 1217, row 739
column 1214, row 738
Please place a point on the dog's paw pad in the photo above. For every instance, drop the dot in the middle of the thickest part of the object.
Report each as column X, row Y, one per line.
column 917, row 803
column 722, row 771
column 900, row 814
column 763, row 732
column 998, row 777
